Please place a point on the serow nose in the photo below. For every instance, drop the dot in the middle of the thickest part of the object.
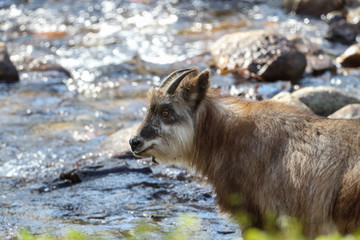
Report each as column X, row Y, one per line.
column 135, row 143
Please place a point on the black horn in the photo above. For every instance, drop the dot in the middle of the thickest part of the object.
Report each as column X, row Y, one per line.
column 171, row 89
column 171, row 75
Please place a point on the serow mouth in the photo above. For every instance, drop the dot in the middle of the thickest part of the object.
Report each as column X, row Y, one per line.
column 142, row 153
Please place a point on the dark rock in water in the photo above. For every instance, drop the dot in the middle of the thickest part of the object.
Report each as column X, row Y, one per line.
column 323, row 100
column 351, row 57
column 267, row 56
column 334, row 16
column 351, row 111
column 159, row 185
column 8, row 72
column 312, row 8
column 226, row 232
column 125, row 155
column 342, row 32
column 318, row 61
column 76, row 176
column 80, row 175
column 44, row 65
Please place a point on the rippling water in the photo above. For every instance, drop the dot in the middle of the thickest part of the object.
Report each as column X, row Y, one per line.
column 85, row 67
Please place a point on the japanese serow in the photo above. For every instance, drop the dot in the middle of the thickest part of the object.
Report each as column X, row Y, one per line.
column 276, row 157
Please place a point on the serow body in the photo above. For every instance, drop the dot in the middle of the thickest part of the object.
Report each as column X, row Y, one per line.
column 276, row 158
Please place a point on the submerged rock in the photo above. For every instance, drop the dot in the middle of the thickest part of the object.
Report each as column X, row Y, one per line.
column 318, row 61
column 334, row 16
column 8, row 72
column 323, row 100
column 342, row 32
column 33, row 64
column 265, row 55
column 351, row 111
column 90, row 172
column 76, row 176
column 351, row 57
column 312, row 8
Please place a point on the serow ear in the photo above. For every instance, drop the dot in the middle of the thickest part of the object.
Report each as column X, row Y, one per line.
column 195, row 90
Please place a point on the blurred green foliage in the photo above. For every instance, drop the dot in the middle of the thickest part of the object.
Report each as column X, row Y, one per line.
column 72, row 235
column 188, row 226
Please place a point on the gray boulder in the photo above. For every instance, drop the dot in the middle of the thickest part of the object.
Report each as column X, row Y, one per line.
column 323, row 100
column 311, row 7
column 8, row 72
column 342, row 32
column 266, row 56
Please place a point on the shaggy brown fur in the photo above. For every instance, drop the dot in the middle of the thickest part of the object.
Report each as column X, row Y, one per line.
column 276, row 157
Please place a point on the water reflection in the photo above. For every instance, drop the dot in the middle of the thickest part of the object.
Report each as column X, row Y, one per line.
column 85, row 69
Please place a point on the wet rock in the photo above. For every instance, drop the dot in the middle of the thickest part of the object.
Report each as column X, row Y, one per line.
column 158, row 195
column 155, row 185
column 76, row 176
column 267, row 56
column 312, row 8
column 351, row 111
column 45, row 65
column 342, row 32
column 85, row 173
column 351, row 57
column 334, row 16
column 41, row 64
column 8, row 72
column 286, row 97
column 323, row 100
column 125, row 155
column 318, row 61
column 353, row 16
column 226, row 232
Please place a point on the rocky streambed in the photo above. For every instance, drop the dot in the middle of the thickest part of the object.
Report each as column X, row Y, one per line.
column 74, row 77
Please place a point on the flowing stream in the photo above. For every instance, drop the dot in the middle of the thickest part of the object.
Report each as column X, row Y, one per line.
column 85, row 68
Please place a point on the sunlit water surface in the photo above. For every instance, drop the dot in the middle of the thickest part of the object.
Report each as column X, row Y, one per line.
column 55, row 120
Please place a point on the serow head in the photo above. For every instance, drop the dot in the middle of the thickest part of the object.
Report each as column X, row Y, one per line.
column 167, row 132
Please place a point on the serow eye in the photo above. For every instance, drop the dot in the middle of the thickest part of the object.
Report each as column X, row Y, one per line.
column 164, row 113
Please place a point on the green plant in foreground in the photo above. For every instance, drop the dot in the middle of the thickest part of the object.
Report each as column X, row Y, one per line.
column 187, row 226
column 190, row 227
column 291, row 229
column 72, row 235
